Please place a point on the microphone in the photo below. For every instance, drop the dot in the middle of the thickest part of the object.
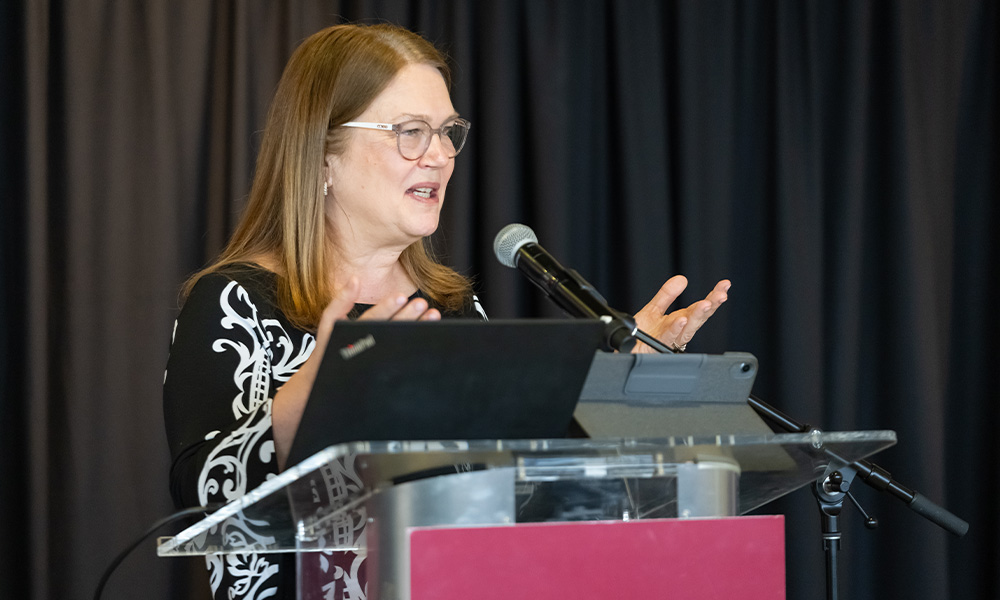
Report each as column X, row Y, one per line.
column 517, row 247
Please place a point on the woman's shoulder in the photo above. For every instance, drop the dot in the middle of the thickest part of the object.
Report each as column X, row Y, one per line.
column 247, row 283
column 248, row 275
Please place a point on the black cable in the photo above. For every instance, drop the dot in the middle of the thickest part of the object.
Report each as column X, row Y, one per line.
column 187, row 512
column 653, row 343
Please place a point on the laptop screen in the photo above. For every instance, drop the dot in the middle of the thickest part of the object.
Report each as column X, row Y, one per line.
column 447, row 380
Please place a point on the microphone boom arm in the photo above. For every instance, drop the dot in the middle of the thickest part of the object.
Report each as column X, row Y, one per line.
column 576, row 297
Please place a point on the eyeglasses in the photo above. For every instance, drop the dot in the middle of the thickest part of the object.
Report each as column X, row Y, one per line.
column 413, row 138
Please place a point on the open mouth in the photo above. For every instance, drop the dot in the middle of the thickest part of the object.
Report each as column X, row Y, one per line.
column 423, row 192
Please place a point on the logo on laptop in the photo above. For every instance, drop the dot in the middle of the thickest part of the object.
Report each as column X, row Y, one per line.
column 351, row 350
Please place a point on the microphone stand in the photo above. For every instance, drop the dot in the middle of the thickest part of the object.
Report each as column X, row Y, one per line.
column 833, row 485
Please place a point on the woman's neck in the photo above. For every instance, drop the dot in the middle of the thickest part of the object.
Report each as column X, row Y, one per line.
column 380, row 274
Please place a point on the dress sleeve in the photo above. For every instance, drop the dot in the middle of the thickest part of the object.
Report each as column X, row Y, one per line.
column 227, row 360
column 477, row 308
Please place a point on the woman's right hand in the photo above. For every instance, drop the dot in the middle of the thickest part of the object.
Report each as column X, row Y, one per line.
column 290, row 401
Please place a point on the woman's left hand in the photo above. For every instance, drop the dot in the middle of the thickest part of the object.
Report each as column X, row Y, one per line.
column 676, row 329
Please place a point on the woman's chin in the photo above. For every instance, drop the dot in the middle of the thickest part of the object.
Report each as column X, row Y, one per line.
column 415, row 233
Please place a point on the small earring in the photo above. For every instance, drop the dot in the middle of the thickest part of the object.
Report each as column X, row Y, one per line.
column 324, row 188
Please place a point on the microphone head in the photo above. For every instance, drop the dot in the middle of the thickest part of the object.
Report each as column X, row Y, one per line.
column 509, row 240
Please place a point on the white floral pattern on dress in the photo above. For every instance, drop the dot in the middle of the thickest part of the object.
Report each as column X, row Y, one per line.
column 265, row 351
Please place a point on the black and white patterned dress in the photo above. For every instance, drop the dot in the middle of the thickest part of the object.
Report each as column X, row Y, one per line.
column 232, row 350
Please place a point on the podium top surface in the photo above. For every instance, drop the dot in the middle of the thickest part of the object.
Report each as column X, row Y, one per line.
column 331, row 488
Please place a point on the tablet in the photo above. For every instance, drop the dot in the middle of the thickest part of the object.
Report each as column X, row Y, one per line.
column 670, row 395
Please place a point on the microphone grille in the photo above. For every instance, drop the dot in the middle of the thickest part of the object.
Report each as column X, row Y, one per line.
column 509, row 240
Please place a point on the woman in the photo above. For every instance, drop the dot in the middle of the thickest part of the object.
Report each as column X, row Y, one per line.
column 356, row 157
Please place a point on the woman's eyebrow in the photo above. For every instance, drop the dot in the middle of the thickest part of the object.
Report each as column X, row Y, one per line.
column 426, row 118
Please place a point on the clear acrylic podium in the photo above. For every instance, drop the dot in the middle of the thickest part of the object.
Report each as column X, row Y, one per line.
column 366, row 497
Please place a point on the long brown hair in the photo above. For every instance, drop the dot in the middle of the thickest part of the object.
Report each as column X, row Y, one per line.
column 331, row 78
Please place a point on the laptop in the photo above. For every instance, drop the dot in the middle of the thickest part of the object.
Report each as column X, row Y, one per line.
column 447, row 380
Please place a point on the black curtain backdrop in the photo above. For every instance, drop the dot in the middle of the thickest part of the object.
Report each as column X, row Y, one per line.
column 836, row 160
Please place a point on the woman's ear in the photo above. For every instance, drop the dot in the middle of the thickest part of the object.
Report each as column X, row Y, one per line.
column 328, row 172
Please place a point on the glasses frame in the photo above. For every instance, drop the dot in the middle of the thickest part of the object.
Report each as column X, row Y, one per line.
column 395, row 128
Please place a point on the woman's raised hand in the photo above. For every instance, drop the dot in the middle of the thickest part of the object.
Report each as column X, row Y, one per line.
column 677, row 328
column 290, row 401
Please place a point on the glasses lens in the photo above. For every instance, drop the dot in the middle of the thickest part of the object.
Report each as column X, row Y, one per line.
column 454, row 136
column 414, row 137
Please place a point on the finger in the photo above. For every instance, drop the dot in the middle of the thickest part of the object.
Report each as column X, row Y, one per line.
column 702, row 310
column 411, row 311
column 666, row 295
column 676, row 329
column 698, row 313
column 670, row 329
column 706, row 308
column 385, row 308
column 432, row 314
column 720, row 293
column 338, row 308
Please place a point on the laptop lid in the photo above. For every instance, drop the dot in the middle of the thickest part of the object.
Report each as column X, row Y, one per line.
column 447, row 380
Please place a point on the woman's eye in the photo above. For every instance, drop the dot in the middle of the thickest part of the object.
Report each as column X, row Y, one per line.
column 411, row 132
